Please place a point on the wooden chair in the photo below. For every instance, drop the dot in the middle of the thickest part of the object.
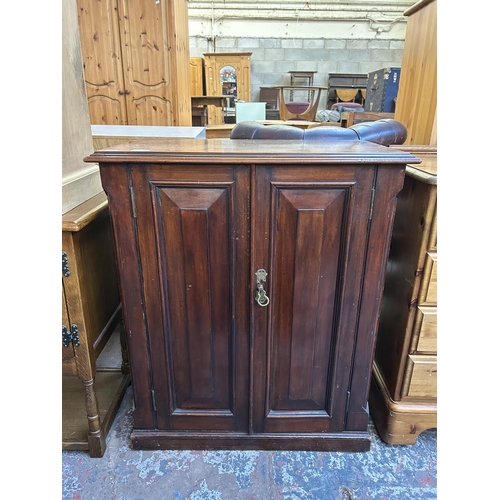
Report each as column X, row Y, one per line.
column 309, row 113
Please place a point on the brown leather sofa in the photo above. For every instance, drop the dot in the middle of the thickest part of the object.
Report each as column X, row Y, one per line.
column 385, row 132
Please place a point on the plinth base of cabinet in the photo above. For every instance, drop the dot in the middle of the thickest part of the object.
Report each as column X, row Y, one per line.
column 165, row 440
column 399, row 422
column 110, row 388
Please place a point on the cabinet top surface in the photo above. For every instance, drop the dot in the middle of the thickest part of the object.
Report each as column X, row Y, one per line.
column 147, row 131
column 249, row 151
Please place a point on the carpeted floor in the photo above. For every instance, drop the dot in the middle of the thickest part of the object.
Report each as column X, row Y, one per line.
column 384, row 473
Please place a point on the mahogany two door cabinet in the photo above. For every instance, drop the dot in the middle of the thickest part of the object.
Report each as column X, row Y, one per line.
column 251, row 275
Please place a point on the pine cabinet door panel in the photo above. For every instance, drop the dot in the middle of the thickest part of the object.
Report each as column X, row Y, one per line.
column 314, row 230
column 147, row 71
column 196, row 65
column 106, row 110
column 151, row 110
column 101, row 52
column 196, row 301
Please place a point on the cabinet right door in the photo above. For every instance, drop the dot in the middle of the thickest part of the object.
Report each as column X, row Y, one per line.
column 310, row 236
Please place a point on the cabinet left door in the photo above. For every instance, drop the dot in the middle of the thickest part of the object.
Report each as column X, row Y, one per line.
column 192, row 241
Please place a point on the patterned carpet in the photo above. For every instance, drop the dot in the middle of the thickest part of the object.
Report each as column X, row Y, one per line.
column 384, row 473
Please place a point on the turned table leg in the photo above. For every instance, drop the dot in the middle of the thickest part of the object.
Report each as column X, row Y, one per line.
column 97, row 442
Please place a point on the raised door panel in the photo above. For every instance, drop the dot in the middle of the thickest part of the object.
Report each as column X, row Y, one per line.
column 243, row 79
column 213, row 86
column 102, row 61
column 308, row 247
column 195, row 268
column 196, row 76
column 310, row 236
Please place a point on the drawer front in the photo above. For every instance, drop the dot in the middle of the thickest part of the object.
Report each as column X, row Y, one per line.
column 423, row 376
column 425, row 330
column 428, row 289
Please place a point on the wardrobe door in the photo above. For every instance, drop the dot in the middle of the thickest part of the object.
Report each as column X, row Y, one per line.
column 102, row 61
column 192, row 234
column 310, row 236
column 155, row 52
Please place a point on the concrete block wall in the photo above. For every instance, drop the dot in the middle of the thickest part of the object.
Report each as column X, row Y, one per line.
column 273, row 58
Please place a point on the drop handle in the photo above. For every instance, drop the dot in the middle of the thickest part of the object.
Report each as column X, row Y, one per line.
column 260, row 296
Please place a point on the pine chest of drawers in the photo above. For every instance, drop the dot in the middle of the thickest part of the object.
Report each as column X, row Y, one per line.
column 403, row 395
